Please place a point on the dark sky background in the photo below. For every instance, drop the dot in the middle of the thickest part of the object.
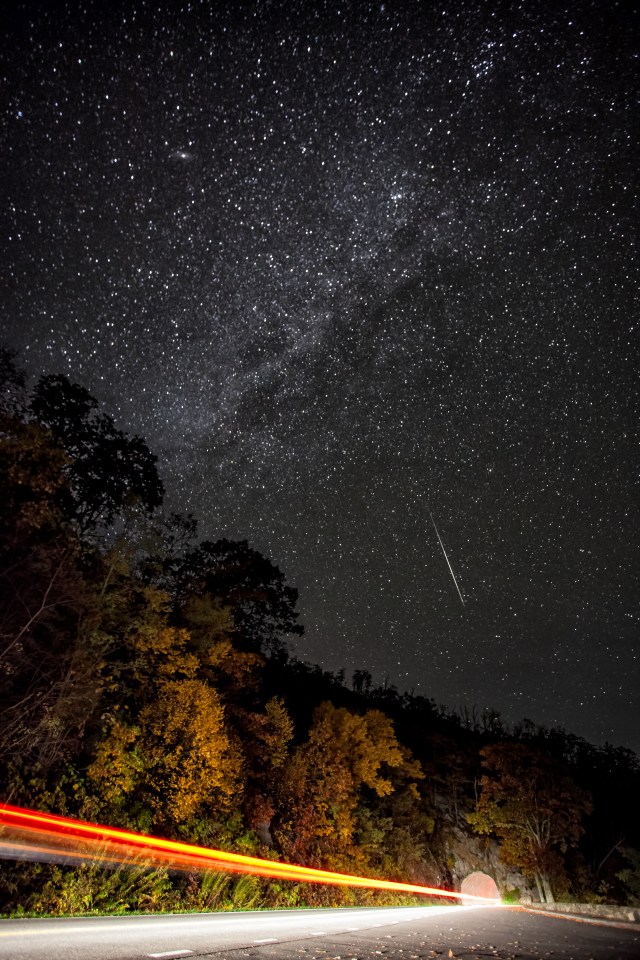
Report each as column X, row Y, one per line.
column 342, row 264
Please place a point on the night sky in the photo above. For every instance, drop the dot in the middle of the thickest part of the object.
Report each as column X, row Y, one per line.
column 343, row 265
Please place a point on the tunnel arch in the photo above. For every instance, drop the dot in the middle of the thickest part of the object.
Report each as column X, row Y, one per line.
column 480, row 885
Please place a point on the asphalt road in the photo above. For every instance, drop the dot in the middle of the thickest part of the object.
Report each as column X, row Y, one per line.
column 428, row 933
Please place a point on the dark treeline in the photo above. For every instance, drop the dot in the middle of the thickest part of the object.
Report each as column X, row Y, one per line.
column 146, row 682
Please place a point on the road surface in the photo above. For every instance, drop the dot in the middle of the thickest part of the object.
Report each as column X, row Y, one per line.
column 398, row 933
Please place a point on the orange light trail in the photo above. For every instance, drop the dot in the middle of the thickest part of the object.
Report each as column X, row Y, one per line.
column 77, row 839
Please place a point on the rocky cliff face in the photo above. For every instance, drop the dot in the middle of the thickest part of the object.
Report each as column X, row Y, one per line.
column 468, row 853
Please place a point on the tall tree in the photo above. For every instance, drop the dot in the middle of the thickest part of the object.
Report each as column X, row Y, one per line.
column 322, row 785
column 265, row 736
column 533, row 806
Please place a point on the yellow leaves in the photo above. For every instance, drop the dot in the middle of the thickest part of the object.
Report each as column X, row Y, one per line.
column 142, row 613
column 378, row 745
column 278, row 731
column 412, row 768
column 483, row 820
column 265, row 737
column 363, row 743
column 191, row 763
column 218, row 653
column 163, row 650
column 211, row 627
column 180, row 756
column 117, row 765
column 322, row 782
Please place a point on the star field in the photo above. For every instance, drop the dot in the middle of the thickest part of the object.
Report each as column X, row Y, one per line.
column 343, row 265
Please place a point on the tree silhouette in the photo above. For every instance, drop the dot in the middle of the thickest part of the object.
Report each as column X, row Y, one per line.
column 262, row 605
column 108, row 469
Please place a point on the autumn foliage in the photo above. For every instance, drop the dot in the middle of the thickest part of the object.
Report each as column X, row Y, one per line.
column 535, row 808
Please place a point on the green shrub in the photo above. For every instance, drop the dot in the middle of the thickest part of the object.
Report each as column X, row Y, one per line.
column 511, row 895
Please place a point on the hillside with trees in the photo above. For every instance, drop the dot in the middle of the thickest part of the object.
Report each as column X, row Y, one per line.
column 146, row 682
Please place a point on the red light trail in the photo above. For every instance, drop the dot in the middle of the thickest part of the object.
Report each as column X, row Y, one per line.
column 50, row 836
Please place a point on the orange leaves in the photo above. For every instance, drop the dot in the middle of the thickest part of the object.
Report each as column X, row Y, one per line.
column 238, row 668
column 526, row 791
column 318, row 802
column 530, row 803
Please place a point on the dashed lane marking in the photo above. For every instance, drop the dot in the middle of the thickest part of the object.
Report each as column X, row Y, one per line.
column 171, row 953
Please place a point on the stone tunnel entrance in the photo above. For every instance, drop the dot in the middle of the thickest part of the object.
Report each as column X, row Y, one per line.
column 480, row 885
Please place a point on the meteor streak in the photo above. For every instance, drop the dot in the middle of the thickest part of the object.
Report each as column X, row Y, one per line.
column 54, row 836
column 447, row 559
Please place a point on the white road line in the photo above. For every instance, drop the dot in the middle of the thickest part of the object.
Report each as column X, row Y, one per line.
column 320, row 933
column 266, row 940
column 171, row 953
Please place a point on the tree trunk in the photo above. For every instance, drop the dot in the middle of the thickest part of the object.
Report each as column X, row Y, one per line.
column 548, row 893
column 536, row 877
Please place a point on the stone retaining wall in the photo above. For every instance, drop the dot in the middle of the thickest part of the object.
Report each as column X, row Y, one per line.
column 602, row 910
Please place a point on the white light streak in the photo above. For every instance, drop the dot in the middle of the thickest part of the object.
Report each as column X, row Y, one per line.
column 447, row 559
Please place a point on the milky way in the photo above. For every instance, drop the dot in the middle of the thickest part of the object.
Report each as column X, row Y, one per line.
column 343, row 265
